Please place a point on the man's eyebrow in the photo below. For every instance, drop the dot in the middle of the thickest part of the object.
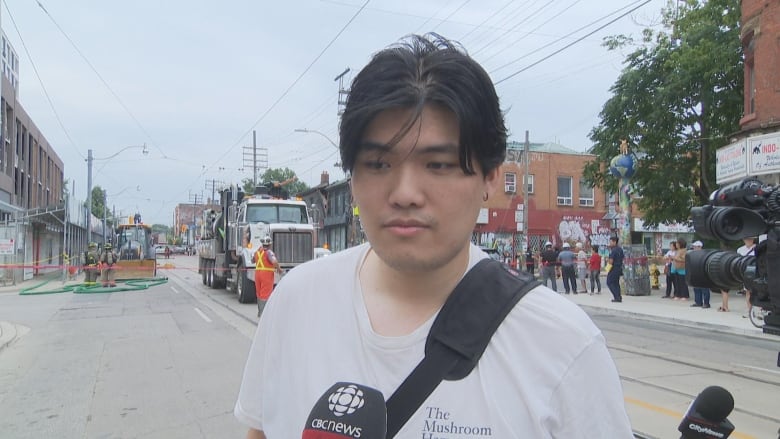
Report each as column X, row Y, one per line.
column 449, row 148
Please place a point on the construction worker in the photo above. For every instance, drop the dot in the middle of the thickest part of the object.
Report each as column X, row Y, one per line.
column 90, row 263
column 265, row 266
column 107, row 260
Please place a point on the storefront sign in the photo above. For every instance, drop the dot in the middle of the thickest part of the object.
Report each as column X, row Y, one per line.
column 731, row 164
column 764, row 153
column 6, row 246
column 639, row 226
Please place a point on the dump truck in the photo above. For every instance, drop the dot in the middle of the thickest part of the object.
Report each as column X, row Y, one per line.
column 232, row 234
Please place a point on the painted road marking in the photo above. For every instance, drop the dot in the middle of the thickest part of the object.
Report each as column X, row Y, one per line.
column 203, row 316
column 175, row 290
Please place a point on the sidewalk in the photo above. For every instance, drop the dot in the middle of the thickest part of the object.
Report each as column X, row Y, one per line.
column 652, row 307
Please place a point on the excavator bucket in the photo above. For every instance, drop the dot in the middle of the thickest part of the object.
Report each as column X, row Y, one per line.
column 136, row 269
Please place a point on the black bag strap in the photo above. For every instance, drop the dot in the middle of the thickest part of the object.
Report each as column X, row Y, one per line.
column 459, row 335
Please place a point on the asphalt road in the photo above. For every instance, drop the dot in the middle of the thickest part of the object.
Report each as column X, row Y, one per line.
column 166, row 362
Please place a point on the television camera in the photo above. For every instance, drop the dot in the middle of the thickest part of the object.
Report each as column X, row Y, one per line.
column 744, row 209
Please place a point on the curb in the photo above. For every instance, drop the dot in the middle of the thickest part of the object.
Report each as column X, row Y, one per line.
column 725, row 329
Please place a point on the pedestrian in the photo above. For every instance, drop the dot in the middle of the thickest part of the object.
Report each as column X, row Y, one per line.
column 701, row 296
column 669, row 269
column 266, row 265
column 680, row 285
column 595, row 271
column 422, row 137
column 90, row 262
column 167, row 252
column 549, row 258
column 530, row 261
column 615, row 269
column 107, row 271
column 568, row 273
column 582, row 267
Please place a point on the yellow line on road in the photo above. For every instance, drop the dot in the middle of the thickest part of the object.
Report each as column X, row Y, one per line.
column 675, row 414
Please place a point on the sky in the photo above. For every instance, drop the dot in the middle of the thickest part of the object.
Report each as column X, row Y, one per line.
column 191, row 80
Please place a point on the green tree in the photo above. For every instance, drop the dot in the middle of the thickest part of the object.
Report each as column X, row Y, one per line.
column 98, row 202
column 277, row 175
column 676, row 101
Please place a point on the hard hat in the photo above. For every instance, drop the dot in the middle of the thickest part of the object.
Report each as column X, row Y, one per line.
column 108, row 246
column 566, row 245
column 93, row 245
column 548, row 244
column 266, row 240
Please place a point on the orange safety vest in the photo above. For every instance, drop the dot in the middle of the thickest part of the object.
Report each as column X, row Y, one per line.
column 261, row 261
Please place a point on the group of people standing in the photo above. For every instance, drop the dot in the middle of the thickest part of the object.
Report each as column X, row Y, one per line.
column 100, row 263
column 675, row 270
column 574, row 266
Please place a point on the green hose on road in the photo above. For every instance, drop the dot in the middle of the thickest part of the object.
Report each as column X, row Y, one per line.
column 123, row 285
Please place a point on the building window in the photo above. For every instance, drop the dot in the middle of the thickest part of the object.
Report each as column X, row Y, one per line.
column 564, row 191
column 529, row 180
column 586, row 194
column 510, row 182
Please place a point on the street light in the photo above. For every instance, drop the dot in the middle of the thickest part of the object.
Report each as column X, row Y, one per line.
column 305, row 130
column 89, row 161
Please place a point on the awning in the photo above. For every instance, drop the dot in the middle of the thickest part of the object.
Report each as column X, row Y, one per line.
column 610, row 216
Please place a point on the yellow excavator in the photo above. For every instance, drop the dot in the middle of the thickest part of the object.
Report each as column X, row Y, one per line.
column 135, row 251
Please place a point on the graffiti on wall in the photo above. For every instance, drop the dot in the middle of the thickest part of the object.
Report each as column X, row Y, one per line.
column 575, row 229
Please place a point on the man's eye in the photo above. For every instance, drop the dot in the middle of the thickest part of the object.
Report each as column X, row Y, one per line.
column 441, row 165
column 375, row 164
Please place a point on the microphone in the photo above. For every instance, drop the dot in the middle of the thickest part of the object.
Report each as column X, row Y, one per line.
column 706, row 417
column 347, row 410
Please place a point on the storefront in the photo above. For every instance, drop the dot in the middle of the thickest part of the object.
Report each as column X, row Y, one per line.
column 658, row 239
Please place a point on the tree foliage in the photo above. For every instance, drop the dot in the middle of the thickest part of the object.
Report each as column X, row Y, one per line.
column 277, row 175
column 98, row 207
column 676, row 101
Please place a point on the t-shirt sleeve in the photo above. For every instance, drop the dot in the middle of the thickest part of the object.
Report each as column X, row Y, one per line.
column 249, row 406
column 589, row 400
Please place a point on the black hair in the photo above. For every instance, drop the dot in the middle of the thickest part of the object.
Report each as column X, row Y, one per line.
column 595, row 248
column 614, row 238
column 421, row 70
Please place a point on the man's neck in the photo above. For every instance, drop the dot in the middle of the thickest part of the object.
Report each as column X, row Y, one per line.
column 398, row 302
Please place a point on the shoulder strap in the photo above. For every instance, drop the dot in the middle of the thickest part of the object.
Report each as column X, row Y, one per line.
column 459, row 335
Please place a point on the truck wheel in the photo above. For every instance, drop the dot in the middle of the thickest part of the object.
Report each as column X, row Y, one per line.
column 210, row 274
column 244, row 288
column 202, row 265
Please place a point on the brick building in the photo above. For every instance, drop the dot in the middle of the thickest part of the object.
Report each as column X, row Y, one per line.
column 562, row 207
column 187, row 221
column 755, row 150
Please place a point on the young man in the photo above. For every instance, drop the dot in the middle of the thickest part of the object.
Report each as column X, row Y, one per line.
column 615, row 269
column 422, row 135
column 567, row 260
column 549, row 259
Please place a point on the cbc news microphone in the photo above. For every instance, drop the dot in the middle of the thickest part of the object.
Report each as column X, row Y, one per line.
column 347, row 410
column 706, row 417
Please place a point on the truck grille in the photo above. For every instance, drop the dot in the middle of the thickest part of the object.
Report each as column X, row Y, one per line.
column 293, row 248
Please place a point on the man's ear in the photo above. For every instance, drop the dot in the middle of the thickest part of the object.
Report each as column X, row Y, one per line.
column 492, row 181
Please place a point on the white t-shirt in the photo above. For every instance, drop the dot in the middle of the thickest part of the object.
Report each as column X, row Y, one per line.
column 745, row 250
column 545, row 374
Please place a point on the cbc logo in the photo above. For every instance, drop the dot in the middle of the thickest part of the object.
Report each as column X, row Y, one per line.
column 345, row 400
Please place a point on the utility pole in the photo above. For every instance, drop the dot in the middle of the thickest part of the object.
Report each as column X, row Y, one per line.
column 89, row 195
column 254, row 159
column 527, row 157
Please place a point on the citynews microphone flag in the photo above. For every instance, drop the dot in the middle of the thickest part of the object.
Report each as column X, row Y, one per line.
column 347, row 410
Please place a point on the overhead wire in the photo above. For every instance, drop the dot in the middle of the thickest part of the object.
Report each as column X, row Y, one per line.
column 43, row 86
column 100, row 77
column 490, row 17
column 491, row 43
column 295, row 82
column 446, row 19
column 530, row 32
column 570, row 44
